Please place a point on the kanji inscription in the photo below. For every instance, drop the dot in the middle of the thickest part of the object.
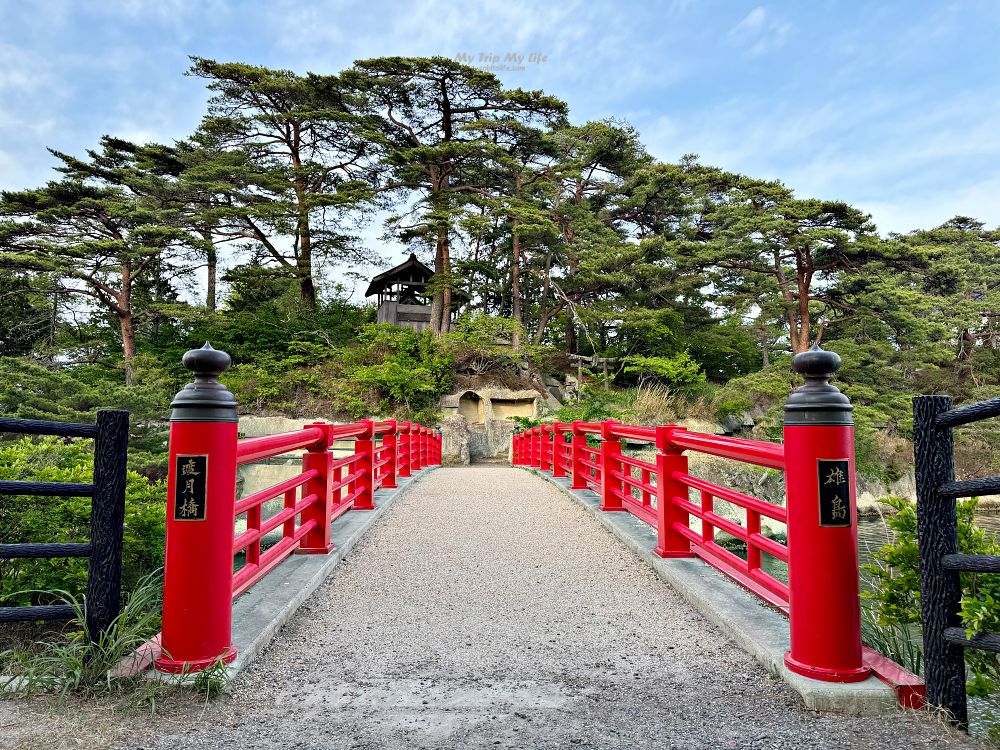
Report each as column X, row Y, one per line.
column 190, row 488
column 834, row 493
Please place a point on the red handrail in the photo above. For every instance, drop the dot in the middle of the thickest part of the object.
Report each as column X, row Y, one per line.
column 770, row 455
column 256, row 448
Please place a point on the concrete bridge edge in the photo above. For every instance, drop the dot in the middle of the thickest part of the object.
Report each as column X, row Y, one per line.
column 757, row 629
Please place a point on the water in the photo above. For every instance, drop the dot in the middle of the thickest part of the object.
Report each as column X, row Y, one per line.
column 873, row 534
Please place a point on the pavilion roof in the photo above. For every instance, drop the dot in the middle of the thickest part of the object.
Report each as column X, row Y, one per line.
column 410, row 271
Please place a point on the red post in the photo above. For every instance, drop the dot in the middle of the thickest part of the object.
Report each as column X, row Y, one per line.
column 558, row 450
column 320, row 458
column 201, row 498
column 416, row 447
column 823, row 580
column 403, row 449
column 536, row 446
column 669, row 541
column 611, row 486
column 389, row 443
column 545, row 448
column 364, row 447
column 577, row 444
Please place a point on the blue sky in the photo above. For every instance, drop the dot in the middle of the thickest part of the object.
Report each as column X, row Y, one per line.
column 892, row 106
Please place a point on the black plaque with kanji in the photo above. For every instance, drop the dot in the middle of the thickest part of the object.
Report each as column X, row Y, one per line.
column 190, row 488
column 834, row 492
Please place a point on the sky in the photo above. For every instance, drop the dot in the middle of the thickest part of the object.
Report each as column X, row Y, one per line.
column 891, row 106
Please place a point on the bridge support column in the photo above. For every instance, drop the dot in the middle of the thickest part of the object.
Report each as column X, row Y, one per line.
column 669, row 541
column 389, row 443
column 545, row 448
column 417, row 443
column 403, row 444
column 558, row 450
column 577, row 443
column 201, row 501
column 823, row 580
column 319, row 457
column 364, row 447
column 611, row 486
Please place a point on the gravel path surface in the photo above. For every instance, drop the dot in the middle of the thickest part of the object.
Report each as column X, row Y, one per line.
column 488, row 610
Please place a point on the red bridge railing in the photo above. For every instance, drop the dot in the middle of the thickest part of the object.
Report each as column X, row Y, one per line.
column 203, row 511
column 817, row 456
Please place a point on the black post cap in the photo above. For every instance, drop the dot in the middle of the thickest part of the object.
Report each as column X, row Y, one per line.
column 817, row 402
column 206, row 399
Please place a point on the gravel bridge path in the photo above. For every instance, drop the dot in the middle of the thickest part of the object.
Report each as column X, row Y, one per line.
column 488, row 610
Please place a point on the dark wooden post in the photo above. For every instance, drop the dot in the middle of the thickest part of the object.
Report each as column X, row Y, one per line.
column 937, row 533
column 107, row 519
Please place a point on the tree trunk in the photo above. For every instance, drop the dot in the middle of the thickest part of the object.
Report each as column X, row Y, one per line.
column 211, row 257
column 123, row 308
column 515, row 285
column 303, row 263
column 543, row 302
column 437, row 301
column 764, row 343
column 570, row 333
column 127, row 321
column 446, row 296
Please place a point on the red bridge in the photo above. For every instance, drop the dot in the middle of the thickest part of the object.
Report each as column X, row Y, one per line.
column 472, row 560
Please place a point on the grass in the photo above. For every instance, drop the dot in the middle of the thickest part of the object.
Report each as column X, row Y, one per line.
column 70, row 664
column 901, row 643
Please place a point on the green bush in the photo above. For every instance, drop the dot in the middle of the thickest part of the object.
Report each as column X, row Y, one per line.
column 67, row 519
column 893, row 601
column 678, row 371
column 759, row 390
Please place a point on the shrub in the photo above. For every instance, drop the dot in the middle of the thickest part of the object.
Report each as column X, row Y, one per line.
column 679, row 371
column 894, row 599
column 67, row 519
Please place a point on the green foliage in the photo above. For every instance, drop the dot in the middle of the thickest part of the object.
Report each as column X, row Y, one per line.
column 67, row 519
column 894, row 599
column 757, row 391
column 678, row 371
column 72, row 663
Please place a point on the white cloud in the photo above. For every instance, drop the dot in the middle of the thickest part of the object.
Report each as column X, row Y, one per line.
column 759, row 33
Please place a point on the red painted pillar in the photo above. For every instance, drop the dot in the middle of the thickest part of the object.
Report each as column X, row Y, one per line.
column 201, row 499
column 536, row 446
column 577, row 444
column 364, row 447
column 320, row 458
column 611, row 486
column 823, row 580
column 403, row 449
column 389, row 443
column 558, row 450
column 545, row 448
column 416, row 447
column 438, row 447
column 669, row 541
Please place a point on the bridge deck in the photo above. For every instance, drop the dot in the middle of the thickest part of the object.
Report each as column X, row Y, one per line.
column 487, row 609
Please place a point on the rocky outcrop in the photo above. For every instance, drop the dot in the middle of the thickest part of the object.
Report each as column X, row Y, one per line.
column 478, row 422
